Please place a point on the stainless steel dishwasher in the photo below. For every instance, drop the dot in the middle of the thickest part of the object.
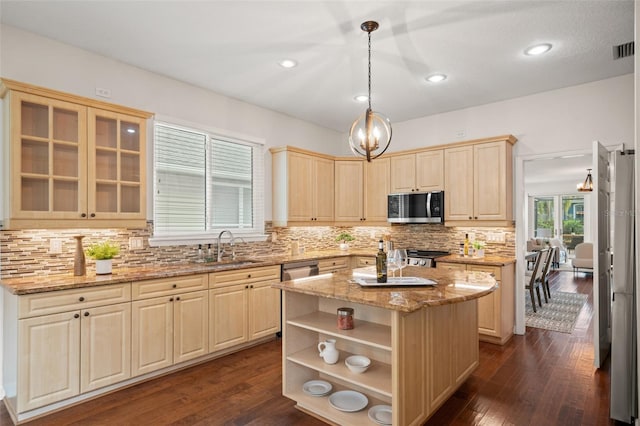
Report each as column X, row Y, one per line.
column 294, row 270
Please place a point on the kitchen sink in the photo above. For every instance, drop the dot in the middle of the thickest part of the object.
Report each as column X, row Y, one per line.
column 230, row 264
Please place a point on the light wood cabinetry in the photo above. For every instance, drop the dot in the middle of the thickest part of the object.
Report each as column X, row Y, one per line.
column 242, row 306
column 362, row 261
column 335, row 264
column 478, row 182
column 361, row 191
column 420, row 171
column 74, row 343
column 72, row 161
column 496, row 311
column 406, row 350
column 305, row 185
column 169, row 322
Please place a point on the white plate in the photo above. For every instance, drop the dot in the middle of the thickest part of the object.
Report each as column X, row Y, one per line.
column 317, row 387
column 380, row 414
column 348, row 400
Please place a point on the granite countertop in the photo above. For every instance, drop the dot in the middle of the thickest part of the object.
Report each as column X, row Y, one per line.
column 452, row 287
column 45, row 283
column 486, row 260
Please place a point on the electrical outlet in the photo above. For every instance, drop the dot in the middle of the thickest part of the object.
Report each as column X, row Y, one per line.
column 136, row 243
column 274, row 237
column 55, row 246
column 103, row 93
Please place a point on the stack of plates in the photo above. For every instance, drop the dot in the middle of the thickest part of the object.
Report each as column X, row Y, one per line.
column 381, row 414
column 348, row 400
column 317, row 388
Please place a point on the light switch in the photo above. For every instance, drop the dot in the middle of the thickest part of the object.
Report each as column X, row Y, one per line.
column 136, row 243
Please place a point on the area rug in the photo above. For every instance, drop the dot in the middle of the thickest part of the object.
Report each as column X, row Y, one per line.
column 560, row 314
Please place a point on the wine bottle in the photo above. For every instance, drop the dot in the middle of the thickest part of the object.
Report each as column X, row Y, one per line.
column 466, row 244
column 381, row 263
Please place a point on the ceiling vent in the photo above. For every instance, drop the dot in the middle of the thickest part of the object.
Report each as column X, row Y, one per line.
column 623, row 50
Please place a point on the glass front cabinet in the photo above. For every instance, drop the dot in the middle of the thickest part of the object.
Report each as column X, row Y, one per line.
column 71, row 161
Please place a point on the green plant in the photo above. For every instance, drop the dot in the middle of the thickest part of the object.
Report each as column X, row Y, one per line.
column 344, row 237
column 478, row 245
column 572, row 226
column 102, row 251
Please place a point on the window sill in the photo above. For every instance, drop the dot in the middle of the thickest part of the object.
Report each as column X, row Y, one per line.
column 186, row 240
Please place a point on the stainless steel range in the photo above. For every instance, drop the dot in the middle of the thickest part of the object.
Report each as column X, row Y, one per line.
column 426, row 258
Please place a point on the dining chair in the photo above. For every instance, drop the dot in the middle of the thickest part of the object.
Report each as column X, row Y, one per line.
column 544, row 279
column 534, row 280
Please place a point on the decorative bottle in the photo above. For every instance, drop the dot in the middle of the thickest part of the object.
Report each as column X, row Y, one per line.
column 79, row 262
column 466, row 244
column 381, row 263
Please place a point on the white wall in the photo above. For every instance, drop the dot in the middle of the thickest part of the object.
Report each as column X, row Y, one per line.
column 556, row 121
column 44, row 62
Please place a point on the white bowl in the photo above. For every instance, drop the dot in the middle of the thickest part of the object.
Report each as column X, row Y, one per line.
column 357, row 363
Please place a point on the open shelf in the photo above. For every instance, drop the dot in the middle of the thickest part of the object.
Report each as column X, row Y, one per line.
column 377, row 378
column 364, row 332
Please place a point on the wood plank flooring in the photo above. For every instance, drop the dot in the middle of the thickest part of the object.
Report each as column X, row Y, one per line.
column 542, row 378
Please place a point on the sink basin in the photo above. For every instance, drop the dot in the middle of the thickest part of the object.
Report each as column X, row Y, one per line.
column 230, row 264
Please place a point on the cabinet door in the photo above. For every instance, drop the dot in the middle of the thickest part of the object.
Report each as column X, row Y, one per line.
column 151, row 335
column 458, row 183
column 264, row 310
column 190, row 326
column 48, row 158
column 49, row 354
column 376, row 188
column 349, row 186
column 430, row 170
column 228, row 316
column 490, row 174
column 300, row 187
column 323, row 188
column 116, row 188
column 106, row 346
column 489, row 306
column 403, row 173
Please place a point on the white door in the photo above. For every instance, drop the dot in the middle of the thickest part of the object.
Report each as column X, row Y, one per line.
column 601, row 252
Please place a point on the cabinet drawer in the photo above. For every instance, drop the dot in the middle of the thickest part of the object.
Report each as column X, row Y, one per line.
column 490, row 269
column 362, row 261
column 451, row 266
column 332, row 265
column 168, row 286
column 33, row 305
column 226, row 278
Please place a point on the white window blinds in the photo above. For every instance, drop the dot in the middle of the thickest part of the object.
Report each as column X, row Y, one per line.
column 206, row 183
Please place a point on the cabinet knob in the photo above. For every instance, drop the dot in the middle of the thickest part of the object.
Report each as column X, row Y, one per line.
column 83, row 215
column 470, row 217
column 178, row 298
column 476, row 217
column 246, row 286
column 93, row 215
column 251, row 286
column 171, row 299
column 86, row 314
column 248, row 275
column 81, row 299
column 76, row 316
column 175, row 286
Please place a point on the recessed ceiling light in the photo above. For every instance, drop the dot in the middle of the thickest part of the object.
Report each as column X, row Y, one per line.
column 361, row 98
column 436, row 78
column 287, row 63
column 538, row 49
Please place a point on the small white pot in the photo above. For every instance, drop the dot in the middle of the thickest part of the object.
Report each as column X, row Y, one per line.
column 344, row 246
column 103, row 266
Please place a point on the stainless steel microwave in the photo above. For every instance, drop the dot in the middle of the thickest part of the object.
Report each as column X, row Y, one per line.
column 416, row 207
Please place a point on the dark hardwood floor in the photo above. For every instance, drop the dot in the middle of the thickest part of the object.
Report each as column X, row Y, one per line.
column 542, row 378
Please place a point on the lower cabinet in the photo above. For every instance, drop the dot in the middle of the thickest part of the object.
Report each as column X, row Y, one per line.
column 363, row 261
column 335, row 264
column 243, row 306
column 496, row 311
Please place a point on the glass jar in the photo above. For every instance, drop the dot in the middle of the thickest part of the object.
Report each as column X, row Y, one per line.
column 345, row 318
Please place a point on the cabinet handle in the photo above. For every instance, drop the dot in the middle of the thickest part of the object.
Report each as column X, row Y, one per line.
column 171, row 300
column 178, row 298
column 175, row 285
column 86, row 314
column 246, row 286
column 476, row 217
column 76, row 316
column 93, row 215
column 470, row 217
column 81, row 299
column 83, row 215
column 251, row 286
column 248, row 275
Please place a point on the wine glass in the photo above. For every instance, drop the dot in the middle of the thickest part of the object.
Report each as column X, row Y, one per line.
column 401, row 259
column 392, row 264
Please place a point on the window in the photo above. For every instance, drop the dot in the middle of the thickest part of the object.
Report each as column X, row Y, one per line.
column 205, row 183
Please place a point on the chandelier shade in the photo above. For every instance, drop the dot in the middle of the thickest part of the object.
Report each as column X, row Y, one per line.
column 587, row 185
column 370, row 134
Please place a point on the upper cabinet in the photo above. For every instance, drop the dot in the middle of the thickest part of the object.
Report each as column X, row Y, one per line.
column 478, row 183
column 361, row 190
column 71, row 161
column 303, row 186
column 420, row 171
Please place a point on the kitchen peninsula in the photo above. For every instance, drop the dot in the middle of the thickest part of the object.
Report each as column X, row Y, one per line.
column 422, row 341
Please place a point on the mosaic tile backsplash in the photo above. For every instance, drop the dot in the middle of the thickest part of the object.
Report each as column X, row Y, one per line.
column 26, row 252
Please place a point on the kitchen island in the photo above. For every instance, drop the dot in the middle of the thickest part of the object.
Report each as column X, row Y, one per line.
column 422, row 341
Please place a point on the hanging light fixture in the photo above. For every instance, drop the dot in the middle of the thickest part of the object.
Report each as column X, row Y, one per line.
column 587, row 185
column 370, row 134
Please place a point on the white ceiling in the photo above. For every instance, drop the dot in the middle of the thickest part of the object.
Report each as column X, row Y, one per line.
column 232, row 47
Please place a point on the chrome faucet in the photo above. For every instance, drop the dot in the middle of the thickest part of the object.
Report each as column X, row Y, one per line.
column 220, row 249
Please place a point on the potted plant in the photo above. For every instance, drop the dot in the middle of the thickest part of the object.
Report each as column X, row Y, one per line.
column 103, row 253
column 478, row 248
column 344, row 238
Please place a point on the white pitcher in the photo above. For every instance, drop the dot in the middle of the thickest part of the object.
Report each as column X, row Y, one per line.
column 328, row 351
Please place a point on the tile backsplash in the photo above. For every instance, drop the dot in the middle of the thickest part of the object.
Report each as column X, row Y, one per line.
column 26, row 252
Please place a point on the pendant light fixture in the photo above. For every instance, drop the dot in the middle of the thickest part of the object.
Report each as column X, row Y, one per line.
column 587, row 185
column 370, row 134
